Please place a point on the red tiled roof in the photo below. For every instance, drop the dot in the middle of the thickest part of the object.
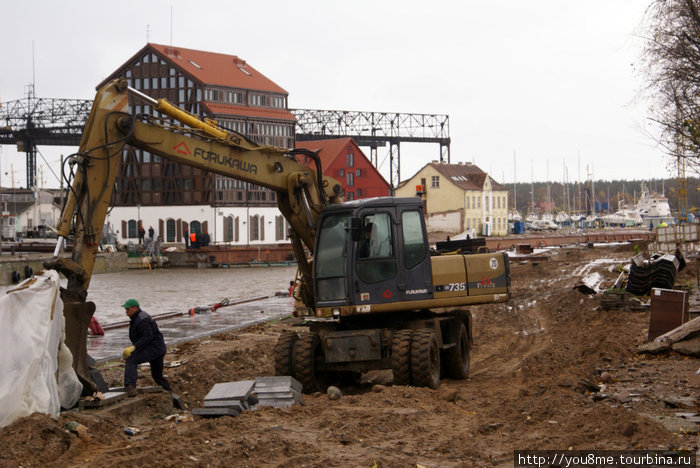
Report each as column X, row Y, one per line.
column 218, row 69
column 259, row 112
column 466, row 176
column 327, row 150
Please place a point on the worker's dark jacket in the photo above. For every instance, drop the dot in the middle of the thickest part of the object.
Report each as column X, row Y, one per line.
column 144, row 333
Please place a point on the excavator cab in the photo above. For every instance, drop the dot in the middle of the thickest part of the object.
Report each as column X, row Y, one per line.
column 371, row 252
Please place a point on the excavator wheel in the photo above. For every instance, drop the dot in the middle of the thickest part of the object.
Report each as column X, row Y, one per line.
column 401, row 357
column 456, row 359
column 425, row 359
column 306, row 350
column 284, row 354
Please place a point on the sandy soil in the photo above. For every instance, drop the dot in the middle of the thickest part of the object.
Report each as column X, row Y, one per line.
column 533, row 366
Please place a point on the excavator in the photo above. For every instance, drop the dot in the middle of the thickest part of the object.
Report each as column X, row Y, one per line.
column 371, row 291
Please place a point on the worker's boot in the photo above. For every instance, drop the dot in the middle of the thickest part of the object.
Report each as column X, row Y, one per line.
column 130, row 390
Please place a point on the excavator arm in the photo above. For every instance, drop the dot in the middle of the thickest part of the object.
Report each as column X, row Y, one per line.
column 183, row 138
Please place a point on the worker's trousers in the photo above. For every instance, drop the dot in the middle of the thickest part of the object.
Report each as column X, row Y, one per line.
column 154, row 357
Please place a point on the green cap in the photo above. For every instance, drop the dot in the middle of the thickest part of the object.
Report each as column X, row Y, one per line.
column 131, row 303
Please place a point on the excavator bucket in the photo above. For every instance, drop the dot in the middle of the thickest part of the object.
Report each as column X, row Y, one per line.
column 78, row 315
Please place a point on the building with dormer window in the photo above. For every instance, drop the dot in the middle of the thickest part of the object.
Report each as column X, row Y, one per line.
column 458, row 198
column 172, row 197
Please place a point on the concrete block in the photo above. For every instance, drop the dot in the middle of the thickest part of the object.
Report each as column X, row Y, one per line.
column 151, row 389
column 109, row 399
column 277, row 381
column 215, row 412
column 278, row 402
column 242, row 405
column 125, row 407
column 231, row 391
column 287, row 394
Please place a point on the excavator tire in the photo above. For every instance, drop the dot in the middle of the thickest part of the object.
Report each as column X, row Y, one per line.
column 306, row 349
column 456, row 359
column 401, row 357
column 284, row 353
column 425, row 359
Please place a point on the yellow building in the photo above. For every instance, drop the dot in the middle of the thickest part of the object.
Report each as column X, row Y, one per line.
column 458, row 198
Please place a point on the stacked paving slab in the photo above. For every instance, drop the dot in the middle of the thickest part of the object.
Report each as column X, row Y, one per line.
column 231, row 398
column 278, row 391
column 658, row 272
column 227, row 399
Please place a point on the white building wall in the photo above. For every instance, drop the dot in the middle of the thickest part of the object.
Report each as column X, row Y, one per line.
column 151, row 215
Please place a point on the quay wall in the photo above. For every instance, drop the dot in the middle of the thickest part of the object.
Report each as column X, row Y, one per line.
column 104, row 263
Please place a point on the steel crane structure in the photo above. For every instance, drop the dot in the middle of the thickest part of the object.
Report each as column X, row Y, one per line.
column 33, row 121
column 376, row 129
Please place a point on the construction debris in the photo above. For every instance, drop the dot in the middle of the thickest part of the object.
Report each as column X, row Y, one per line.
column 590, row 284
column 658, row 272
column 689, row 331
column 231, row 398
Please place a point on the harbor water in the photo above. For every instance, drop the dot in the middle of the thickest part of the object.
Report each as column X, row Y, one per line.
column 175, row 292
column 163, row 291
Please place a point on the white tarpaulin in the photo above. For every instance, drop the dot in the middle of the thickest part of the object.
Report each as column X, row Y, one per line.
column 35, row 364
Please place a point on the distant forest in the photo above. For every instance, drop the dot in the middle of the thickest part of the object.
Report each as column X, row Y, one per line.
column 606, row 191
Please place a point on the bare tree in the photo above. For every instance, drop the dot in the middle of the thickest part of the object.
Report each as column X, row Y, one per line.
column 672, row 64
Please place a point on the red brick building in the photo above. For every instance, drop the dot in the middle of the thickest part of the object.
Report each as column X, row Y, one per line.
column 343, row 160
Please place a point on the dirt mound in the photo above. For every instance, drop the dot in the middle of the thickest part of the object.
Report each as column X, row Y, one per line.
column 536, row 383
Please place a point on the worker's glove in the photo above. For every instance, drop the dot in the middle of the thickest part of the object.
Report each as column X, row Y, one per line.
column 127, row 351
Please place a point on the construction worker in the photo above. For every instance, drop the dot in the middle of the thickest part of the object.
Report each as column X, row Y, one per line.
column 147, row 346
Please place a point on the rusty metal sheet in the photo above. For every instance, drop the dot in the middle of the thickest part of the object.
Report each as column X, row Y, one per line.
column 669, row 309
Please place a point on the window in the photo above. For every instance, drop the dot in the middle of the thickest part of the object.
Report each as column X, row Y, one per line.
column 351, row 179
column 341, row 172
column 358, row 192
column 254, row 222
column 329, row 263
column 133, row 231
column 435, row 181
column 467, row 207
column 349, row 196
column 279, row 227
column 414, row 244
column 195, row 226
column 170, row 230
column 478, row 202
column 228, row 228
column 375, row 250
column 358, row 173
column 350, row 160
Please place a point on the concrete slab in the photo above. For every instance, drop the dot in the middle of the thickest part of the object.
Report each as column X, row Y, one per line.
column 109, row 399
column 288, row 394
column 278, row 402
column 231, row 391
column 128, row 406
column 242, row 405
column 215, row 412
column 151, row 389
column 279, row 388
column 277, row 381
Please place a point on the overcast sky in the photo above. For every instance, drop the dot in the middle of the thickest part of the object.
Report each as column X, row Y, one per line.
column 552, row 82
